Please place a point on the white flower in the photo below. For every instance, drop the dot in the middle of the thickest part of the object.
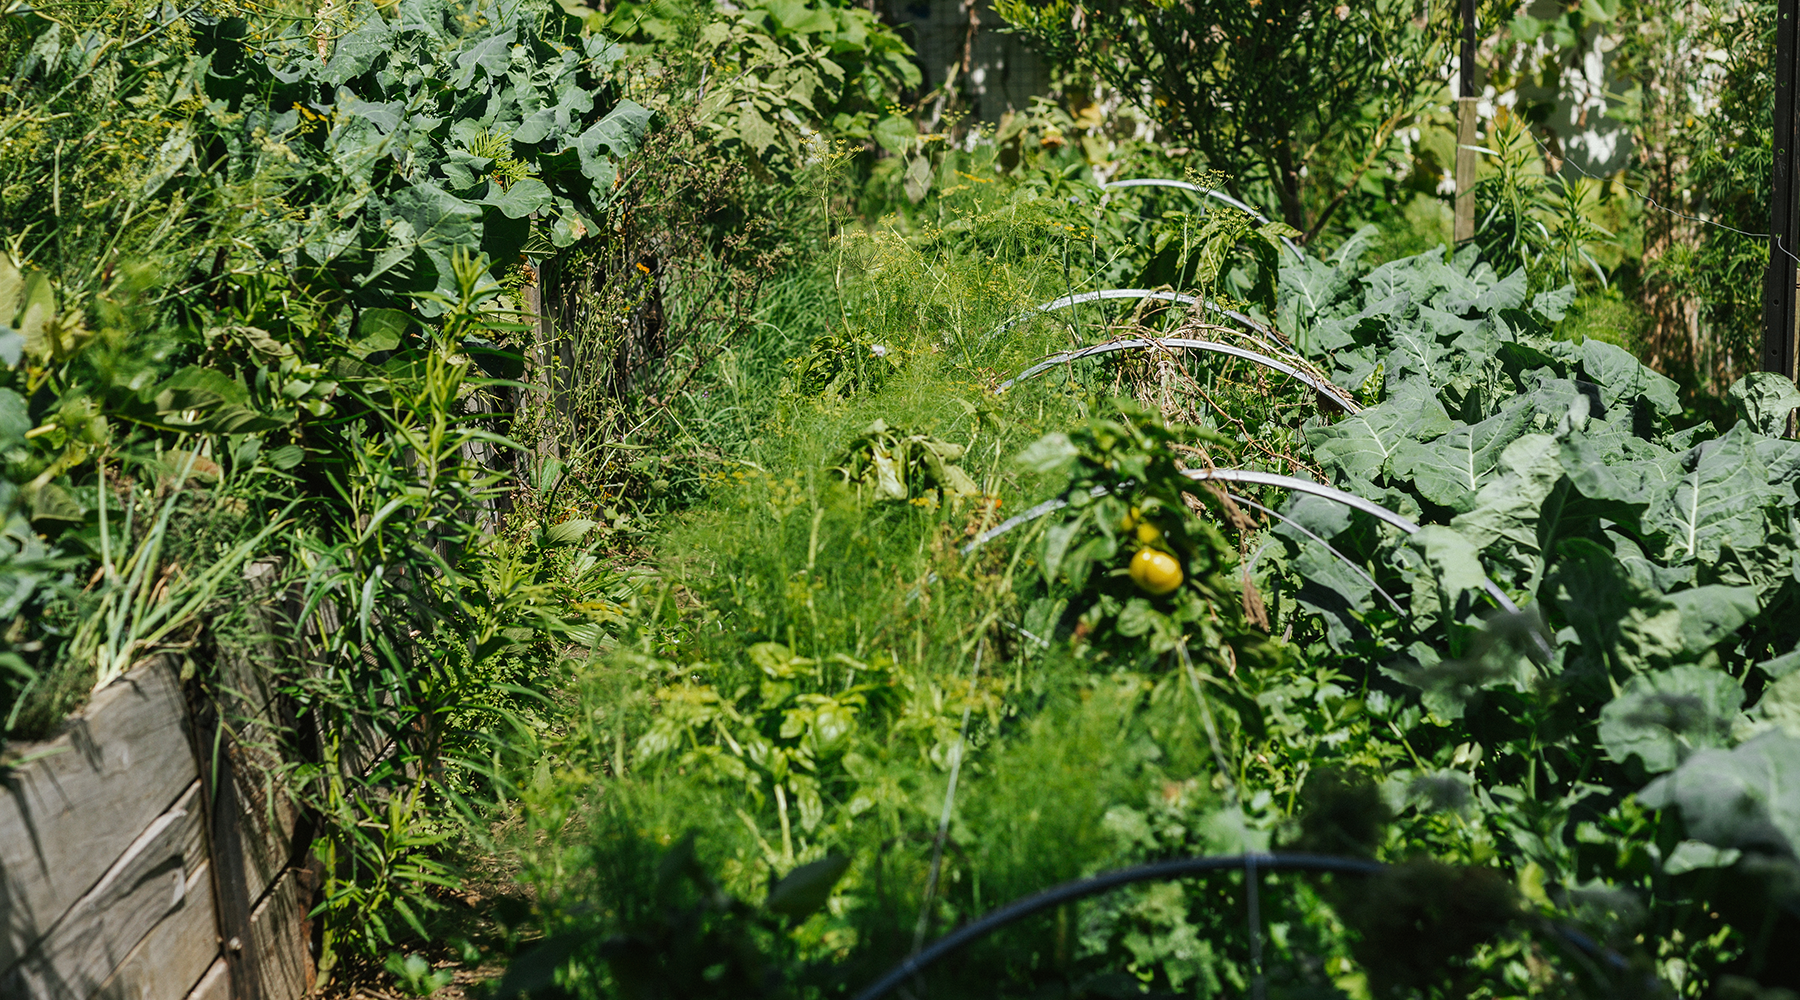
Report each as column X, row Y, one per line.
column 878, row 350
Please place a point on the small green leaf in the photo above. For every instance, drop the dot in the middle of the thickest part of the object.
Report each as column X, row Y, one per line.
column 569, row 532
column 522, row 198
column 379, row 330
column 805, row 890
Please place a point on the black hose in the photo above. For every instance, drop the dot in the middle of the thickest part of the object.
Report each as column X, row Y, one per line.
column 1057, row 895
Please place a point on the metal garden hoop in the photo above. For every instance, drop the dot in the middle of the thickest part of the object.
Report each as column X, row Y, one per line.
column 1207, row 192
column 1082, row 888
column 1110, row 294
column 1260, row 479
column 1324, row 388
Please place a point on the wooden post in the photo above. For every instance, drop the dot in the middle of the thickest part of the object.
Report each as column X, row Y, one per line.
column 1780, row 351
column 1465, row 130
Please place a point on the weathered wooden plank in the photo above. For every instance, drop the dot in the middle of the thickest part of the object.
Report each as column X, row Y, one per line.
column 175, row 956
column 147, row 883
column 66, row 818
column 252, row 713
column 278, row 933
column 215, row 985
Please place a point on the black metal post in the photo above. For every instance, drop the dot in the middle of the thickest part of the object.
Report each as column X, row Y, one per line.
column 1779, row 349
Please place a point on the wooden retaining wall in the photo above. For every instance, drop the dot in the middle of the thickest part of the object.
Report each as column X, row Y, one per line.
column 142, row 859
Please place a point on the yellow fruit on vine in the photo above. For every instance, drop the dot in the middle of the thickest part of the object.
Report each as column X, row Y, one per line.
column 1155, row 571
column 1148, row 533
column 1131, row 520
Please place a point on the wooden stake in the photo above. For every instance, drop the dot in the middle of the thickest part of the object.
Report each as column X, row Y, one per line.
column 1780, row 351
column 1465, row 130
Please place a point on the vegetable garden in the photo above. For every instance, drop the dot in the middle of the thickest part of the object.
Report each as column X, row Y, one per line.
column 740, row 529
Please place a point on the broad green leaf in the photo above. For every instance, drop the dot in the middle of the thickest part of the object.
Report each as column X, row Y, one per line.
column 1717, row 496
column 1417, row 351
column 1360, row 447
column 1622, row 469
column 379, row 330
column 1623, row 627
column 1508, row 506
column 1333, row 591
column 1450, row 589
column 805, row 890
column 1710, row 613
column 436, row 217
column 1694, row 855
column 1765, row 400
column 1452, row 469
column 1322, row 517
column 15, row 418
column 1746, row 798
column 1662, row 717
column 519, row 200
column 1553, row 305
column 1049, row 453
column 1780, row 704
column 893, row 133
column 1782, row 665
column 491, row 54
column 1622, row 378
column 196, row 388
column 619, row 132
column 353, row 52
column 569, row 532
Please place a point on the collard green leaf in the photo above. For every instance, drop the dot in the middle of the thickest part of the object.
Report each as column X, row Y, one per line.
column 1765, row 400
column 1452, row 469
column 619, row 133
column 1454, row 579
column 1553, row 305
column 15, row 419
column 1508, row 506
column 1782, row 665
column 1662, row 717
column 1622, row 626
column 1710, row 613
column 1332, row 591
column 491, row 54
column 1622, row 378
column 1360, row 447
column 1746, row 798
column 353, row 52
column 1417, row 352
column 1623, row 471
column 520, row 199
column 1309, row 287
column 1779, row 705
column 1693, row 855
column 1322, row 517
column 1717, row 496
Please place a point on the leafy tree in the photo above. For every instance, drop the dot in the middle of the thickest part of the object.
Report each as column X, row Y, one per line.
column 1294, row 96
column 1704, row 153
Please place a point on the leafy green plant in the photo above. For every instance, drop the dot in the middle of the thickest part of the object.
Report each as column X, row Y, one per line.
column 415, row 975
column 1544, row 224
column 787, row 68
column 493, row 109
column 895, row 465
column 1655, row 556
column 1127, row 496
column 1273, row 97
